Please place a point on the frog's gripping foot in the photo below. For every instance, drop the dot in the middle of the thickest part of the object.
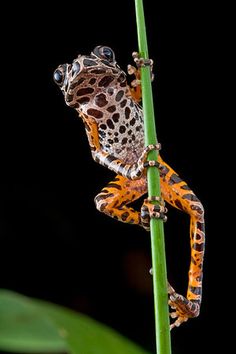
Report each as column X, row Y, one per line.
column 183, row 308
column 150, row 210
column 139, row 62
column 151, row 163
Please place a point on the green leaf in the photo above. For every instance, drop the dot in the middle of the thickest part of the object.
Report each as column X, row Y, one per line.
column 71, row 332
column 24, row 328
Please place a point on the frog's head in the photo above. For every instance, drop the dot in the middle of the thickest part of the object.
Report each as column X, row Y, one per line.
column 88, row 75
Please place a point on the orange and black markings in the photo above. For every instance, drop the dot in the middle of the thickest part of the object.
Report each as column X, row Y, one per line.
column 97, row 88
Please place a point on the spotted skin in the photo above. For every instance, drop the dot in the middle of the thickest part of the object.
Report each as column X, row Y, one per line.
column 97, row 88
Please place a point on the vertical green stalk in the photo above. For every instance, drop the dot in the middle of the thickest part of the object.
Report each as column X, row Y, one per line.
column 163, row 344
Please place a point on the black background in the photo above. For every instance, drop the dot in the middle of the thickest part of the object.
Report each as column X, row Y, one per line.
column 54, row 244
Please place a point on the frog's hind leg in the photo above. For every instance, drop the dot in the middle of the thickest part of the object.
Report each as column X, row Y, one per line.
column 176, row 192
column 115, row 197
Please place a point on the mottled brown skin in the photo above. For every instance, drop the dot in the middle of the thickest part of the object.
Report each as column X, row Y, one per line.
column 97, row 88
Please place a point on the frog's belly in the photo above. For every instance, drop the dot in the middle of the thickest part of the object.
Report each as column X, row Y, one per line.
column 129, row 151
column 122, row 134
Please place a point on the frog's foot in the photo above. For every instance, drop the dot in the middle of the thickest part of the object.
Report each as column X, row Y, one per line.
column 139, row 167
column 183, row 308
column 141, row 62
column 135, row 86
column 136, row 170
column 150, row 210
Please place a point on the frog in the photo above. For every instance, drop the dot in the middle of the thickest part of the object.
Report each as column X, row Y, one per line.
column 110, row 108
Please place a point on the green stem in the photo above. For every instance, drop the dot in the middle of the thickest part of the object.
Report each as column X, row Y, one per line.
column 163, row 344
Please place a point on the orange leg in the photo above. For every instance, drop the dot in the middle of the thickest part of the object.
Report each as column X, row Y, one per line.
column 176, row 192
column 114, row 198
column 113, row 201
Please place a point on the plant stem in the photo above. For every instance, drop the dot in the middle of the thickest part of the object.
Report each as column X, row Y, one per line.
column 163, row 343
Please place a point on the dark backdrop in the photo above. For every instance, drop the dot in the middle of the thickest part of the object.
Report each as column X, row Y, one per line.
column 54, row 244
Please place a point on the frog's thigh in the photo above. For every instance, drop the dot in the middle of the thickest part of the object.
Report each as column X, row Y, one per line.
column 114, row 198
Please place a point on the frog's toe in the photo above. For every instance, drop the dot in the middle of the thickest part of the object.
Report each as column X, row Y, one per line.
column 178, row 321
column 183, row 308
column 141, row 62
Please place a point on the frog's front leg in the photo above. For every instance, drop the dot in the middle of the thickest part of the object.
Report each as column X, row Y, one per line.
column 132, row 171
column 135, row 85
column 135, row 89
column 176, row 192
column 114, row 198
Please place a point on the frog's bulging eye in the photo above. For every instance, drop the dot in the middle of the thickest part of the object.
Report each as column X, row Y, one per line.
column 108, row 53
column 58, row 77
column 75, row 68
column 104, row 53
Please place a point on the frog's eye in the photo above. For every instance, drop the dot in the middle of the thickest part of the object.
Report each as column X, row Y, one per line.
column 104, row 53
column 58, row 77
column 75, row 68
column 108, row 53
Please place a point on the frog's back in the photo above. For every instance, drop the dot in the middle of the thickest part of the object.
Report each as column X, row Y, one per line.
column 121, row 132
column 119, row 119
column 96, row 87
